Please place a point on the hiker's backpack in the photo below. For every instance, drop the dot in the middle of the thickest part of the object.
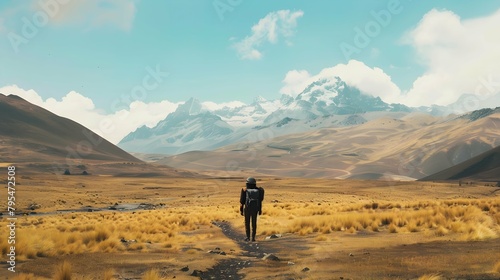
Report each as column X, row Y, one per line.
column 253, row 199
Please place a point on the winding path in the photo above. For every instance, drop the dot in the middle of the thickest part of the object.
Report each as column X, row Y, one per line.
column 228, row 269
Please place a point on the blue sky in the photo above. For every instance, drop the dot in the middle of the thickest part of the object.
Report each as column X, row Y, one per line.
column 100, row 52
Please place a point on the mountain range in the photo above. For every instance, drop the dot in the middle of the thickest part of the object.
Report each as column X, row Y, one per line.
column 410, row 147
column 324, row 103
column 330, row 130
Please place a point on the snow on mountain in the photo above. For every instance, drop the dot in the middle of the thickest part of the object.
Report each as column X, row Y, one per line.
column 188, row 128
column 249, row 115
column 324, row 103
column 332, row 97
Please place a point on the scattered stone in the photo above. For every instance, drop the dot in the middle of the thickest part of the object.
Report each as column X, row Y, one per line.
column 123, row 240
column 306, row 269
column 274, row 236
column 34, row 206
column 275, row 201
column 85, row 172
column 197, row 273
column 217, row 251
column 271, row 257
column 351, row 255
column 186, row 268
column 66, row 172
column 291, row 263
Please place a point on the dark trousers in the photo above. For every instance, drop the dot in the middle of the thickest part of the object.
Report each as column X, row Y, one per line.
column 251, row 213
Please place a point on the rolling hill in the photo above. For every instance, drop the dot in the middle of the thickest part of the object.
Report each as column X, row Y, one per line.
column 30, row 133
column 484, row 167
column 36, row 140
column 411, row 147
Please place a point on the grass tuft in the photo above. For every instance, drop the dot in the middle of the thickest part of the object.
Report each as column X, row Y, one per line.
column 151, row 275
column 109, row 274
column 430, row 277
column 496, row 268
column 63, row 272
column 23, row 276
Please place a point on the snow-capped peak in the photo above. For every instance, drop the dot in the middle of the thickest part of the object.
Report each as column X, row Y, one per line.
column 323, row 90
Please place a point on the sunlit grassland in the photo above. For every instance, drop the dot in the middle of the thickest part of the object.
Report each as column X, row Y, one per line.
column 472, row 219
column 47, row 236
column 316, row 213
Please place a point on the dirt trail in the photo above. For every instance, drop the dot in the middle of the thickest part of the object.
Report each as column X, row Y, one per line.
column 230, row 268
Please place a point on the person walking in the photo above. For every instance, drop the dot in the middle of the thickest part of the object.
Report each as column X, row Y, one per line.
column 251, row 205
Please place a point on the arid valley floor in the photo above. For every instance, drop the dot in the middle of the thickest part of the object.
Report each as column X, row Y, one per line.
column 330, row 229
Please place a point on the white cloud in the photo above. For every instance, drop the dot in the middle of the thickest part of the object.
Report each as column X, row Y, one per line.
column 372, row 81
column 269, row 29
column 295, row 81
column 113, row 126
column 460, row 55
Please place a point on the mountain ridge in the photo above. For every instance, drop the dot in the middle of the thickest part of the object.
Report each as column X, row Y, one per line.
column 485, row 167
column 409, row 147
column 322, row 99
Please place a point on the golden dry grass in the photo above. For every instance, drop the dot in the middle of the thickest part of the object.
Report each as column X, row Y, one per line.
column 313, row 210
column 109, row 274
column 51, row 236
column 430, row 277
column 496, row 268
column 151, row 275
column 24, row 276
column 63, row 272
column 471, row 219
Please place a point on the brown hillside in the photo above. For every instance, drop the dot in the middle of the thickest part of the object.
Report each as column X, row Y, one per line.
column 485, row 166
column 415, row 146
column 32, row 134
